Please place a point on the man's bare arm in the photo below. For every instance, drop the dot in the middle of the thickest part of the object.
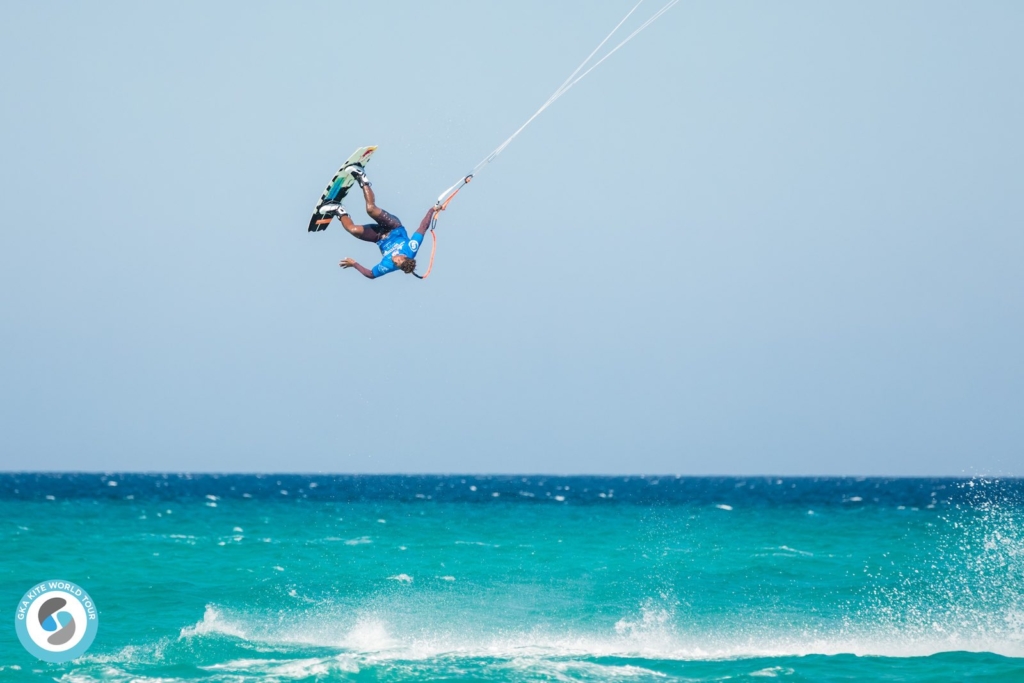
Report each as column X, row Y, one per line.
column 425, row 223
column 351, row 263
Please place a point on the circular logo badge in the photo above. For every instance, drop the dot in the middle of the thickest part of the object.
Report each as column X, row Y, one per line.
column 56, row 621
column 414, row 245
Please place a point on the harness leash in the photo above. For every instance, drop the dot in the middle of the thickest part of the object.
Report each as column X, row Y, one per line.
column 433, row 250
column 438, row 208
column 573, row 79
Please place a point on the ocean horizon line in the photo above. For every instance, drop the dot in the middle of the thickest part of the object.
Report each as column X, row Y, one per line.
column 598, row 475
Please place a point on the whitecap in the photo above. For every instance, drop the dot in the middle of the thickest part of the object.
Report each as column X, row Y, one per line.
column 313, row 667
column 362, row 540
column 213, row 622
column 486, row 545
column 772, row 672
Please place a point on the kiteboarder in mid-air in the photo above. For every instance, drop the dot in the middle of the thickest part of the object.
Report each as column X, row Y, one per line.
column 396, row 246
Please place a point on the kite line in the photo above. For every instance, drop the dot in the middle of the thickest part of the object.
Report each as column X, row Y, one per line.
column 574, row 78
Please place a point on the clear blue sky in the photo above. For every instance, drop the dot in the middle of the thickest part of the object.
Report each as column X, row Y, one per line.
column 762, row 238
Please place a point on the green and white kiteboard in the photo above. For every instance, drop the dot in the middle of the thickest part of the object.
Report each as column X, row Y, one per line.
column 339, row 186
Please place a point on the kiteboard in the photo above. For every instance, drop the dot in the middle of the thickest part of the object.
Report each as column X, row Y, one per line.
column 339, row 186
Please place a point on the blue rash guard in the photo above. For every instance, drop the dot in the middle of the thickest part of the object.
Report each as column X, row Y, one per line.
column 394, row 243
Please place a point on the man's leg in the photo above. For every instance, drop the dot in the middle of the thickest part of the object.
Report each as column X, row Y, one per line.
column 367, row 233
column 383, row 218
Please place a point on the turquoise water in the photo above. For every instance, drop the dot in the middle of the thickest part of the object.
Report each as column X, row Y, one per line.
column 291, row 578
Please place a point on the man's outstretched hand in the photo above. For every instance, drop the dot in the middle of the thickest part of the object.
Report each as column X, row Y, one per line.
column 351, row 263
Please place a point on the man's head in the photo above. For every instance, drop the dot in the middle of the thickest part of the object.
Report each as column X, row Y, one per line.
column 407, row 265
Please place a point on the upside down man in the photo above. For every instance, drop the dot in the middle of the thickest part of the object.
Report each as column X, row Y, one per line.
column 397, row 248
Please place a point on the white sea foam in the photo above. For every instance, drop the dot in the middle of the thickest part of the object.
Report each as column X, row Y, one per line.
column 362, row 540
column 787, row 549
column 652, row 633
column 772, row 672
column 368, row 635
column 213, row 622
column 288, row 668
column 480, row 543
column 571, row 670
column 115, row 675
column 129, row 655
